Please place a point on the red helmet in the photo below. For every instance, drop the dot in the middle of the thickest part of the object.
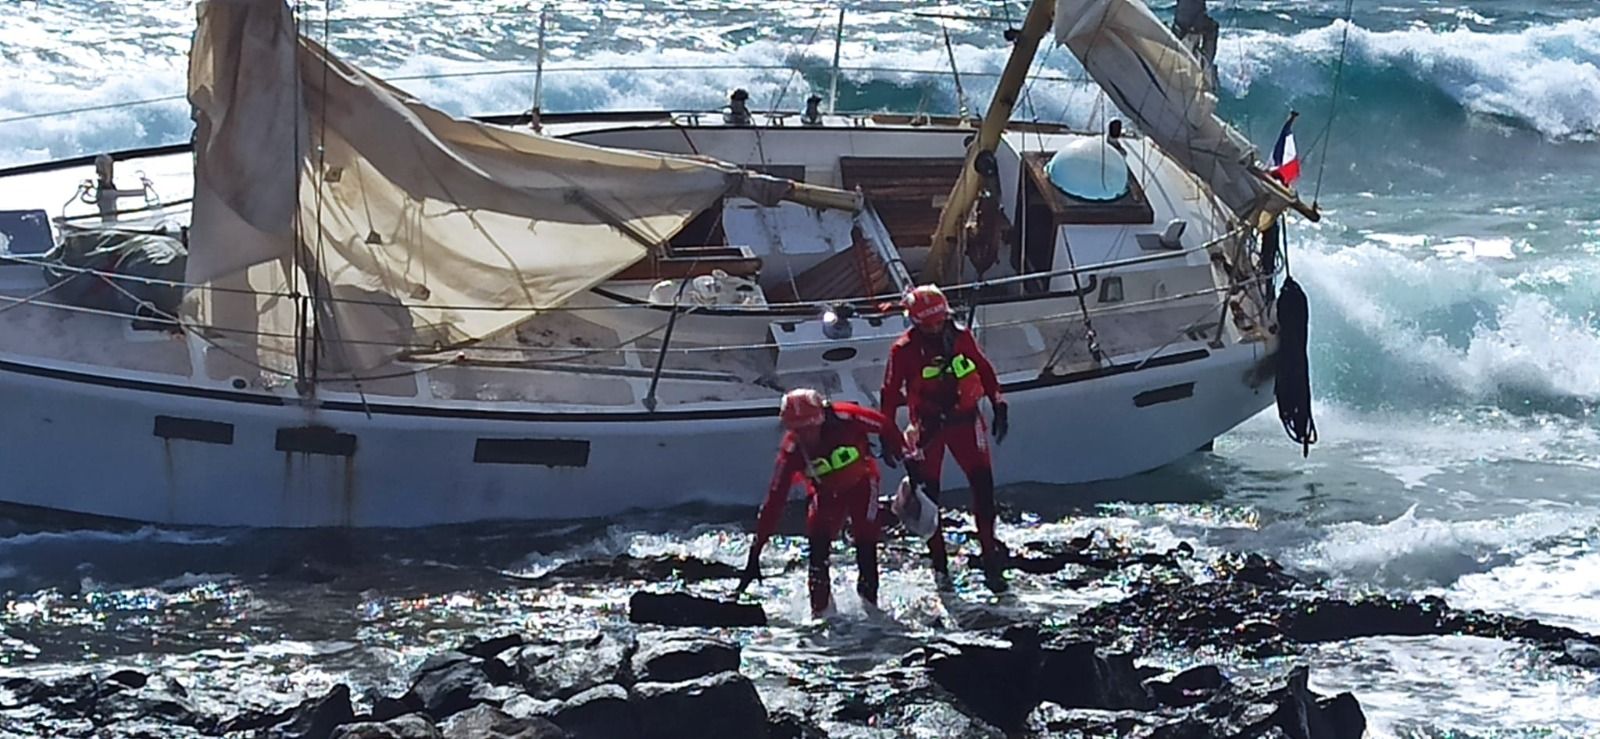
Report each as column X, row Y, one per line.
column 926, row 305
column 802, row 408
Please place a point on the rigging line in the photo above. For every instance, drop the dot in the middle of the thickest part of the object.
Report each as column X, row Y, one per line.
column 93, row 108
column 955, row 72
column 295, row 269
column 322, row 187
column 1333, row 104
column 795, row 71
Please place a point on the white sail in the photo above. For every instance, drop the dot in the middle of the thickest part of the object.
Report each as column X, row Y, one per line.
column 1161, row 87
column 419, row 228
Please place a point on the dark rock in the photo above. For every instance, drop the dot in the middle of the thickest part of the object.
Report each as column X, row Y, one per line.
column 439, row 660
column 492, row 646
column 598, row 712
column 488, row 722
column 1582, row 653
column 560, row 672
column 386, row 708
column 159, row 699
column 1078, row 674
column 648, row 569
column 790, row 726
column 1004, row 684
column 1257, row 608
column 449, row 688
column 409, row 726
column 1099, row 552
column 1301, row 715
column 997, row 684
column 128, row 678
column 313, row 717
column 316, row 718
column 1188, row 688
column 675, row 659
column 724, row 704
column 527, row 706
column 1343, row 716
column 683, row 609
column 494, row 695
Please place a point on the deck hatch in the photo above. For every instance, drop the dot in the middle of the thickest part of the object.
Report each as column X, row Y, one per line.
column 1163, row 395
column 546, row 452
column 194, row 429
column 316, row 440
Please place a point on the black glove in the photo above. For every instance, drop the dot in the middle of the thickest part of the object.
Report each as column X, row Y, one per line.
column 891, row 456
column 1002, row 422
column 752, row 572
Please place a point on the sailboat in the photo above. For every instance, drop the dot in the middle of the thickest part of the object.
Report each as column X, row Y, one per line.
column 371, row 313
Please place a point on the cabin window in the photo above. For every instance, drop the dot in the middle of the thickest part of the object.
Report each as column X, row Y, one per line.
column 543, row 452
column 316, row 440
column 193, row 429
column 1111, row 290
column 1163, row 395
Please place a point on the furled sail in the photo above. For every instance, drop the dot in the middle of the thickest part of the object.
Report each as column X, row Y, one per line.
column 416, row 228
column 1160, row 85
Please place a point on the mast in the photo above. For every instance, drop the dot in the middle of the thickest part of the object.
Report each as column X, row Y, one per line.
column 965, row 192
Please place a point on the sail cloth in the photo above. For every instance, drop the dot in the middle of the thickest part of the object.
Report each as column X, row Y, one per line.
column 423, row 229
column 1158, row 84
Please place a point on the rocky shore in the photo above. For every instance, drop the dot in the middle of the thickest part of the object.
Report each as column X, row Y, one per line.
column 675, row 669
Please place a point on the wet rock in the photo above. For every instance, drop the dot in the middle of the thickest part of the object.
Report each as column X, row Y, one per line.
column 1582, row 653
column 160, row 699
column 790, row 726
column 128, row 678
column 131, row 697
column 73, row 695
column 488, row 648
column 599, row 712
column 527, row 706
column 725, row 704
column 1079, row 674
column 488, row 722
column 385, row 708
column 683, row 609
column 317, row 717
column 1187, row 688
column 314, row 718
column 447, row 683
column 409, row 726
column 648, row 569
column 1003, row 683
column 558, row 672
column 1096, row 550
column 1257, row 608
column 677, row 658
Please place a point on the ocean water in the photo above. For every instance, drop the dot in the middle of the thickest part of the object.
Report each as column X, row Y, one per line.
column 1455, row 326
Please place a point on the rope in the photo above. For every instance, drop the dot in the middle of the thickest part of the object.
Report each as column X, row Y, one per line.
column 795, row 72
column 1333, row 104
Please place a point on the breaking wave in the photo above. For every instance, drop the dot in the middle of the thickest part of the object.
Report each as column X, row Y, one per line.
column 1546, row 78
column 1416, row 85
column 1394, row 331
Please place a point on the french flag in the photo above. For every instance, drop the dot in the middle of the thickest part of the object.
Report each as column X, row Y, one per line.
column 1285, row 158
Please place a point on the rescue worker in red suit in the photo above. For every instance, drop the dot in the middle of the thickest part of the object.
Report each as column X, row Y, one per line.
column 937, row 371
column 826, row 445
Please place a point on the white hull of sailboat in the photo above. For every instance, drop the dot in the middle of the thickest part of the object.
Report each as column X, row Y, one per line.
column 150, row 451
